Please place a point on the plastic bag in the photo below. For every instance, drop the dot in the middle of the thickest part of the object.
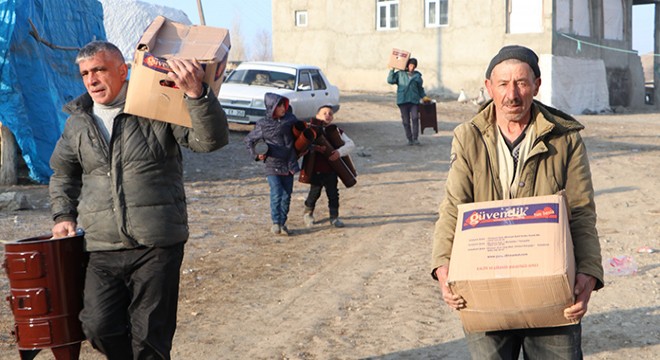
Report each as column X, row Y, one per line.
column 620, row 265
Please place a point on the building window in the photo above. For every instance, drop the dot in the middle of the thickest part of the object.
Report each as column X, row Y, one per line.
column 301, row 18
column 525, row 16
column 437, row 12
column 388, row 14
column 573, row 17
column 613, row 19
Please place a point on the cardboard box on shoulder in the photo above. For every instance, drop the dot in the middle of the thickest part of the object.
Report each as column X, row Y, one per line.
column 398, row 59
column 151, row 93
column 512, row 261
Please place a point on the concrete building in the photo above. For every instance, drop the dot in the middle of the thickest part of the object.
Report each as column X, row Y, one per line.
column 585, row 46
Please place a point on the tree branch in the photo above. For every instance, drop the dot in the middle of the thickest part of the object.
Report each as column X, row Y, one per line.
column 36, row 36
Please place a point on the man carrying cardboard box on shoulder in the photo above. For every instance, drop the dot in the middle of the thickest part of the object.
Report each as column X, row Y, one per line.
column 516, row 147
column 120, row 178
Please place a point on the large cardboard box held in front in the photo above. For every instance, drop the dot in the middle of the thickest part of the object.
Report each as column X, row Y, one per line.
column 512, row 261
column 398, row 59
column 151, row 93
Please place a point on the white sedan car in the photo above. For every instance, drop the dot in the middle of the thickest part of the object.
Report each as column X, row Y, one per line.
column 306, row 87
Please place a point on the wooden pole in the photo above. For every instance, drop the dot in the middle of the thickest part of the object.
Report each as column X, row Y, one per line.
column 201, row 13
column 8, row 157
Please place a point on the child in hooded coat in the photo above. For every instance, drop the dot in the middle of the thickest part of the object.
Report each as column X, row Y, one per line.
column 280, row 159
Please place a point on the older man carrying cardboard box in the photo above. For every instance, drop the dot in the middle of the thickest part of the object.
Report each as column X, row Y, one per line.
column 516, row 147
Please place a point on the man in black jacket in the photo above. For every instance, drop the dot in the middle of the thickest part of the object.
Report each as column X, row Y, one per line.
column 120, row 177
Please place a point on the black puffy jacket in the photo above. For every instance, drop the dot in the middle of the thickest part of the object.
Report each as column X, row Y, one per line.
column 129, row 192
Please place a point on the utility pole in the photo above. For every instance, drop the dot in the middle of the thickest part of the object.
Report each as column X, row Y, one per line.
column 201, row 13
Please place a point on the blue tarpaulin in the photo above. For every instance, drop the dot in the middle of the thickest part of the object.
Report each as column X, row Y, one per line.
column 37, row 77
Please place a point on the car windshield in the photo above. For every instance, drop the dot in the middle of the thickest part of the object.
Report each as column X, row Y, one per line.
column 262, row 78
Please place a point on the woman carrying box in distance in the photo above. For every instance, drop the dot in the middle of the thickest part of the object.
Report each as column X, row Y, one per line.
column 409, row 92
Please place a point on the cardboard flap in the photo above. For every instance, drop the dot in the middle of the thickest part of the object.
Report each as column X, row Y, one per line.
column 148, row 39
column 166, row 39
column 204, row 43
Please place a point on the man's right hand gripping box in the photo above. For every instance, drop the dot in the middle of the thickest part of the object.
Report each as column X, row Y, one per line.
column 512, row 261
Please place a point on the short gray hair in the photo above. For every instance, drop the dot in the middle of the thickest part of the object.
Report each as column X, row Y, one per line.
column 96, row 47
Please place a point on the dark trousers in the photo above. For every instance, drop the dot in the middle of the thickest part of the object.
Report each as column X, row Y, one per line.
column 410, row 120
column 564, row 342
column 130, row 301
column 329, row 182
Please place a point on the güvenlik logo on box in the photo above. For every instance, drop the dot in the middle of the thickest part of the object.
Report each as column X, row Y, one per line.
column 524, row 214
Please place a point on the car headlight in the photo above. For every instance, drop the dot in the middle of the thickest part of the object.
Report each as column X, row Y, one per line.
column 258, row 103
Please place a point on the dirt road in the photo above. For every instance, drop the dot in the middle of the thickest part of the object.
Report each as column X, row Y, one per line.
column 364, row 291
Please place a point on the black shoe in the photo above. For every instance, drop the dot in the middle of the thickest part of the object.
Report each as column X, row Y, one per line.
column 336, row 223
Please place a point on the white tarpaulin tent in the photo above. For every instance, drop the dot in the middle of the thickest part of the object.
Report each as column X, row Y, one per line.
column 125, row 21
column 576, row 86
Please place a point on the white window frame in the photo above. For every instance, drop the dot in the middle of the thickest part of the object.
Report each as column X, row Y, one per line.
column 438, row 13
column 387, row 6
column 301, row 18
